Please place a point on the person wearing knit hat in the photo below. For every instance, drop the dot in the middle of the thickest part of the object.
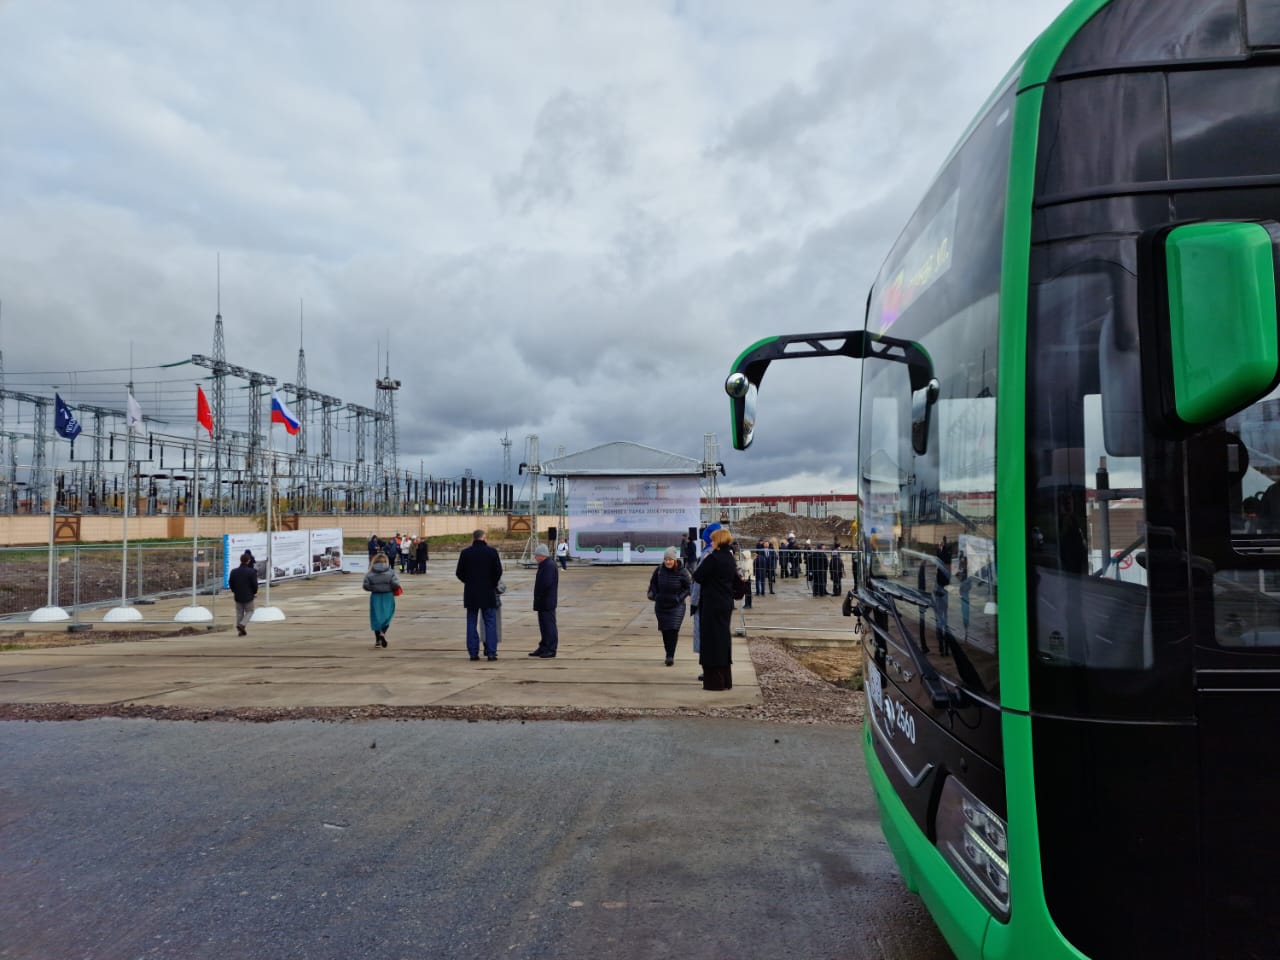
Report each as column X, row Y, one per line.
column 668, row 589
column 546, row 588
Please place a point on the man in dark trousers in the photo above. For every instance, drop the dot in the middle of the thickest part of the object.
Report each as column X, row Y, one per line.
column 243, row 581
column 546, row 588
column 480, row 569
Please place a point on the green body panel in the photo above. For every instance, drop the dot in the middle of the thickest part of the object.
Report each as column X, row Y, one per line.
column 968, row 927
column 1222, row 317
column 962, row 919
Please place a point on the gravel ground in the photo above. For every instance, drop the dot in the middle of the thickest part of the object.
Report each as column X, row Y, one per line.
column 791, row 692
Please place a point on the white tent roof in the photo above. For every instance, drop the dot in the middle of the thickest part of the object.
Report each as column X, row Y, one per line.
column 622, row 459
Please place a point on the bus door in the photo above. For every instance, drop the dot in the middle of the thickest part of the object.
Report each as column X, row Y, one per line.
column 1233, row 567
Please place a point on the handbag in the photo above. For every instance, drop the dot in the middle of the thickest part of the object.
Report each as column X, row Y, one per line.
column 740, row 587
column 397, row 590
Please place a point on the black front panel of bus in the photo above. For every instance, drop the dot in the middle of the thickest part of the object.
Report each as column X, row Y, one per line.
column 1118, row 822
column 920, row 745
column 1240, row 812
column 1153, row 736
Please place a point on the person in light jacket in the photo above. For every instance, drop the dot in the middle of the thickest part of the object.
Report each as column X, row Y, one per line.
column 669, row 588
column 382, row 583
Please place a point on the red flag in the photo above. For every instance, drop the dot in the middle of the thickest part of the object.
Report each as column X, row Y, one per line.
column 204, row 416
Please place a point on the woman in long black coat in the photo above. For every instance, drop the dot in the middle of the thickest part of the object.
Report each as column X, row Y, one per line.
column 715, row 608
column 669, row 589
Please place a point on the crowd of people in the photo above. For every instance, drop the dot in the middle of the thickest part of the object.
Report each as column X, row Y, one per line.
column 701, row 579
column 406, row 554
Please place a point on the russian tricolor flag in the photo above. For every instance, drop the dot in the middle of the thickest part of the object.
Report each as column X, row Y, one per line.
column 280, row 413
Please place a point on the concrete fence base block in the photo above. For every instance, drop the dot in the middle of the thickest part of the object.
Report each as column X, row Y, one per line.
column 48, row 615
column 122, row 615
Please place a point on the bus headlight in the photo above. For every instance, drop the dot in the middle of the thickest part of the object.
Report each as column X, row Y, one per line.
column 975, row 841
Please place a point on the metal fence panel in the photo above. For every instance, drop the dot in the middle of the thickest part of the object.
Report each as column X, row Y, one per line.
column 89, row 575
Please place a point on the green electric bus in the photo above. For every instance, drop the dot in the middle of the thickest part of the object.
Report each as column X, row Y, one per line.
column 1069, row 516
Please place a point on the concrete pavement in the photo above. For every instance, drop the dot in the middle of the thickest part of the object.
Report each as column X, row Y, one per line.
column 322, row 654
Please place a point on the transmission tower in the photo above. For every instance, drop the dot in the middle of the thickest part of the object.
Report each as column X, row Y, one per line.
column 11, row 497
column 562, row 521
column 385, row 453
column 711, row 465
column 219, row 395
column 534, row 468
column 300, row 392
column 506, row 464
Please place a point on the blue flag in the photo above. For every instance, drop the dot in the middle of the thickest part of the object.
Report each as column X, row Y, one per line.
column 64, row 421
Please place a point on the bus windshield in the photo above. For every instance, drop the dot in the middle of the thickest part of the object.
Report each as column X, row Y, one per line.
column 928, row 521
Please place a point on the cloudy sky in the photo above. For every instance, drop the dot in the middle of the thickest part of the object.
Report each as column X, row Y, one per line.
column 563, row 218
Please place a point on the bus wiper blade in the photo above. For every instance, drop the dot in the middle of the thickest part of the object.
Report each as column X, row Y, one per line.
column 903, row 592
column 884, row 596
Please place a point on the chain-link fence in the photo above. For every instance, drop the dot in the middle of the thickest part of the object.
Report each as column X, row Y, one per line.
column 90, row 575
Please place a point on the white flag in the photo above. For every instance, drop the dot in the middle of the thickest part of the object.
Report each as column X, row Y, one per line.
column 135, row 416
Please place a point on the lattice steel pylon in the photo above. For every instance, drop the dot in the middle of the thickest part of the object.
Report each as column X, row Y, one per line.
column 11, row 497
column 300, row 393
column 506, row 459
column 710, row 466
column 533, row 467
column 36, row 489
column 385, row 452
column 220, row 450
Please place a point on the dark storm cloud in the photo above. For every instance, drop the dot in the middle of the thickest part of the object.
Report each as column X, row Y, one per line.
column 575, row 247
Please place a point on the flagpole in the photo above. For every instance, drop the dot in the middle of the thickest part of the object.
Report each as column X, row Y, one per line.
column 268, row 612
column 195, row 528
column 124, row 612
column 195, row 612
column 49, row 612
column 53, row 469
column 271, row 482
column 128, row 495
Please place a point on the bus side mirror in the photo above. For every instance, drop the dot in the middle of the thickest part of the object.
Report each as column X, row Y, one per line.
column 922, row 401
column 1210, row 322
column 743, row 382
column 742, row 402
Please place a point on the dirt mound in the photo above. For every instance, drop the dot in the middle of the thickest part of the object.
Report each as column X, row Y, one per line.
column 777, row 525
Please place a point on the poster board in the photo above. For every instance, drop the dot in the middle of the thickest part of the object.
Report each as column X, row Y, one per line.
column 648, row 513
column 292, row 553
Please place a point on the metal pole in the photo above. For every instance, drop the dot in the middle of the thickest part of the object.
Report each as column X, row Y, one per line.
column 53, row 461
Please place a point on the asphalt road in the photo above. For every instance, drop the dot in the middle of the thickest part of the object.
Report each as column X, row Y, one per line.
column 646, row 839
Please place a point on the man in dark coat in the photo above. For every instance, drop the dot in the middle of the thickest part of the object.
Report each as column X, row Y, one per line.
column 817, row 562
column 243, row 581
column 688, row 552
column 374, row 545
column 546, row 589
column 480, row 569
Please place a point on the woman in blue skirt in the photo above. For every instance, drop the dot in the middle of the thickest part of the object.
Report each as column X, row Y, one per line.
column 383, row 585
